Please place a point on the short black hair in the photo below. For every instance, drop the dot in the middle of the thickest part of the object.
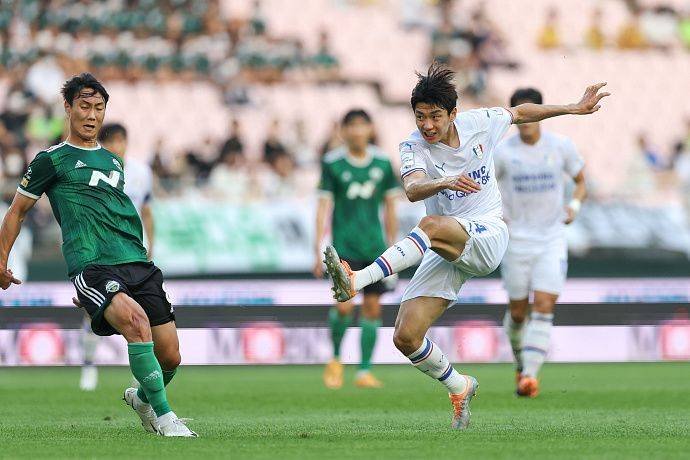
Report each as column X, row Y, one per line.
column 526, row 95
column 77, row 83
column 435, row 88
column 351, row 115
column 111, row 130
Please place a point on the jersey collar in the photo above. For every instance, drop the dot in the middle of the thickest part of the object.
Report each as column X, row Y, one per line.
column 359, row 162
column 97, row 147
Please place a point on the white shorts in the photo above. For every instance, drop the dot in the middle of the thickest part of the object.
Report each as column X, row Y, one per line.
column 534, row 266
column 436, row 277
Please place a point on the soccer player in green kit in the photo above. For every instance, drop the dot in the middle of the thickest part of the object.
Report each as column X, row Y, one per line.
column 102, row 245
column 356, row 179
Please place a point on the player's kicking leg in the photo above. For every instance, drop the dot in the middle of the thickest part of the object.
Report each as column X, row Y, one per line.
column 443, row 234
column 414, row 320
column 129, row 319
column 369, row 322
column 89, row 373
column 535, row 342
column 339, row 319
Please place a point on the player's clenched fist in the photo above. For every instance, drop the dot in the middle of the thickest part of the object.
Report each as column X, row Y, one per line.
column 6, row 279
column 463, row 183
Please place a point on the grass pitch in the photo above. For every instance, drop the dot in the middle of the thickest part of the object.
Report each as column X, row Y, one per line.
column 584, row 411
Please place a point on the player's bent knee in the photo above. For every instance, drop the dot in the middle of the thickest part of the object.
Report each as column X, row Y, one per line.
column 406, row 342
column 170, row 360
column 430, row 225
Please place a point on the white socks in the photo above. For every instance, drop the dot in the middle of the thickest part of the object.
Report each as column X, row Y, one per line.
column 430, row 359
column 535, row 342
column 403, row 254
column 89, row 342
column 514, row 332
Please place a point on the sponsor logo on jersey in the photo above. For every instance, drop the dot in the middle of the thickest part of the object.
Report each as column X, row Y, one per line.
column 478, row 151
column 376, row 174
column 79, row 164
column 28, row 173
column 24, row 182
column 117, row 163
column 480, row 176
column 112, row 286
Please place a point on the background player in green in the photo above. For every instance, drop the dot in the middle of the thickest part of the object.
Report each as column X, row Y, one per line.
column 102, row 245
column 356, row 180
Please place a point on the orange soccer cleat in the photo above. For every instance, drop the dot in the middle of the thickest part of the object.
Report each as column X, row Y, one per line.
column 333, row 375
column 367, row 380
column 528, row 387
column 461, row 404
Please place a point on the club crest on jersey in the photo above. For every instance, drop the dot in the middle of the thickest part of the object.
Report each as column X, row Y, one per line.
column 347, row 176
column 376, row 174
column 117, row 163
column 112, row 286
column 478, row 150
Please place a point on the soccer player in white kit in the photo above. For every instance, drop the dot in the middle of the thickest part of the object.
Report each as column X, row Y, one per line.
column 139, row 188
column 531, row 168
column 448, row 163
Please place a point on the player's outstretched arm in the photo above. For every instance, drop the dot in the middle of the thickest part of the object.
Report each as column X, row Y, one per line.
column 589, row 103
column 419, row 186
column 11, row 225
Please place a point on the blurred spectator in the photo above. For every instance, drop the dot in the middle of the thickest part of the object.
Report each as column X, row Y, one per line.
column 45, row 125
column 659, row 26
column 273, row 146
column 630, row 36
column 304, row 153
column 649, row 153
column 324, row 61
column 231, row 180
column 279, row 181
column 549, row 36
column 234, row 143
column 594, row 37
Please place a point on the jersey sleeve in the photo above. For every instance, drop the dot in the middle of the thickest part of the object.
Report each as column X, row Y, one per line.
column 38, row 178
column 499, row 121
column 326, row 183
column 411, row 158
column 574, row 162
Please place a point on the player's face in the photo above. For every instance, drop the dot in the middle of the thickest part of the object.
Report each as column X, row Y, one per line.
column 86, row 114
column 433, row 122
column 357, row 133
column 117, row 144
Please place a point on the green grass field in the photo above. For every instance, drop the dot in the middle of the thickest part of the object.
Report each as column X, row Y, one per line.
column 584, row 411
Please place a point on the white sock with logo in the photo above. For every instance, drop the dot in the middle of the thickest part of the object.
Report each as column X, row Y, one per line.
column 535, row 343
column 403, row 254
column 430, row 359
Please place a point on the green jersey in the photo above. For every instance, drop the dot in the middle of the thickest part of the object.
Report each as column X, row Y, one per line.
column 85, row 187
column 358, row 188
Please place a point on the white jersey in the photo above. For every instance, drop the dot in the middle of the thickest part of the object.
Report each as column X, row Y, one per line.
column 479, row 130
column 532, row 180
column 138, row 182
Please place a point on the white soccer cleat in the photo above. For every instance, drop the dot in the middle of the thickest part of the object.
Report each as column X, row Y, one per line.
column 89, row 378
column 171, row 426
column 144, row 410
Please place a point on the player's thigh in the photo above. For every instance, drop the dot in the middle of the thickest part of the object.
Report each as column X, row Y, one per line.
column 435, row 277
column 371, row 305
column 486, row 247
column 147, row 287
column 128, row 318
column 166, row 345
column 550, row 270
column 516, row 272
column 448, row 236
column 415, row 317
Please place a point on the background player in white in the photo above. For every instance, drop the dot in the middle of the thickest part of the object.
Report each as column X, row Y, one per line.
column 448, row 163
column 531, row 168
column 139, row 189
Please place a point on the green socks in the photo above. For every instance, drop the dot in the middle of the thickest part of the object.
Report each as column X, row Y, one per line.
column 167, row 377
column 339, row 325
column 147, row 370
column 368, row 340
